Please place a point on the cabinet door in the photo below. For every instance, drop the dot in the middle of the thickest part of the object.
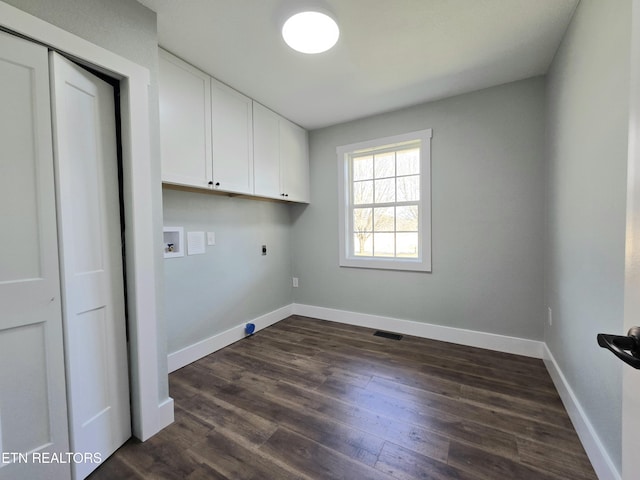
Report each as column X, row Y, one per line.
column 185, row 123
column 266, row 152
column 294, row 162
column 232, row 127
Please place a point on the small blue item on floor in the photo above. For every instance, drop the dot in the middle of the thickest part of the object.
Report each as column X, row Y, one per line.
column 249, row 328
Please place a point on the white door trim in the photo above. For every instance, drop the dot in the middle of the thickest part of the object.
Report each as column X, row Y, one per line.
column 149, row 412
column 630, row 376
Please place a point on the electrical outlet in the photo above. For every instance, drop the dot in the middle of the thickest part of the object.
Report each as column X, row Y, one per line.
column 549, row 316
column 295, row 282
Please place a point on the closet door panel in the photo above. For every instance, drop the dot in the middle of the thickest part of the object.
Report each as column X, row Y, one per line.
column 33, row 412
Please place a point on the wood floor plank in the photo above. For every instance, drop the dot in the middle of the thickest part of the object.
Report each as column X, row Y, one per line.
column 157, row 458
column 162, row 455
column 195, row 379
column 256, row 349
column 231, row 460
column 273, row 370
column 491, row 383
column 514, row 369
column 425, row 404
column 358, row 433
column 519, row 377
column 340, row 436
column 489, row 411
column 526, row 365
column 406, row 464
column 115, row 467
column 430, row 420
column 354, row 363
column 317, row 460
column 205, row 472
column 491, row 467
column 504, row 402
column 423, row 434
column 302, row 338
column 179, row 393
column 223, row 416
column 555, row 460
column 312, row 399
column 278, row 342
column 186, row 430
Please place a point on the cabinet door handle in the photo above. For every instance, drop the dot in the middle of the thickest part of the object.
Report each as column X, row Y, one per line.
column 210, row 184
column 217, row 184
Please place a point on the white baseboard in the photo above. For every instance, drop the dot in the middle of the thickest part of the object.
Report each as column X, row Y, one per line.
column 490, row 341
column 596, row 452
column 162, row 417
column 209, row 345
column 165, row 413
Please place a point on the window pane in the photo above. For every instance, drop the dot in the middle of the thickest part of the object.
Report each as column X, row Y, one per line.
column 363, row 244
column 408, row 189
column 408, row 162
column 363, row 192
column 363, row 168
column 383, row 245
column 385, row 165
column 407, row 218
column 385, row 190
column 407, row 245
column 383, row 219
column 362, row 220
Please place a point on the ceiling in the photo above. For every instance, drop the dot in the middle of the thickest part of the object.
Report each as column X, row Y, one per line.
column 391, row 53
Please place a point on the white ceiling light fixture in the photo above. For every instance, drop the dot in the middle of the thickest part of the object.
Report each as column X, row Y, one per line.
column 310, row 32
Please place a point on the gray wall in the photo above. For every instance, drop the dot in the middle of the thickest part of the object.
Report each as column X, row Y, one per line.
column 232, row 282
column 588, row 93
column 129, row 29
column 488, row 217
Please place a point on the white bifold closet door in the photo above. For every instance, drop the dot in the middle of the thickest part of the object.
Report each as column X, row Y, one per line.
column 88, row 206
column 33, row 411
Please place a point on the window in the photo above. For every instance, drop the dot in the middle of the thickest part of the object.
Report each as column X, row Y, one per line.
column 385, row 203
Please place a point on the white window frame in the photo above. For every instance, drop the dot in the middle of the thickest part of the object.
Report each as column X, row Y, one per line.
column 347, row 259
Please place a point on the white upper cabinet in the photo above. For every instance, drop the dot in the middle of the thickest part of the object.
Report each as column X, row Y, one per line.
column 266, row 152
column 185, row 123
column 294, row 162
column 213, row 137
column 206, row 130
column 232, row 127
column 281, row 157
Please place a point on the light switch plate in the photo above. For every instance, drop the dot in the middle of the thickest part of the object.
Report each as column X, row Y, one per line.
column 211, row 238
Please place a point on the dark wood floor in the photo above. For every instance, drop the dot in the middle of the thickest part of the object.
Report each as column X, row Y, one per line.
column 319, row 400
